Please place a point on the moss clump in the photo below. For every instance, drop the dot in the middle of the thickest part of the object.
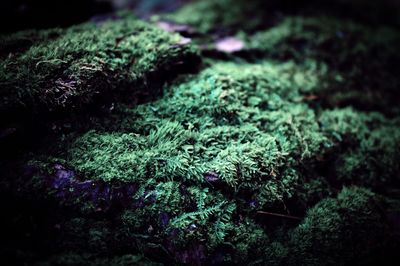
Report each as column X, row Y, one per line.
column 218, row 147
column 209, row 15
column 234, row 121
column 85, row 64
column 343, row 51
column 229, row 139
column 227, row 16
column 19, row 42
column 369, row 144
column 376, row 155
column 241, row 163
column 348, row 229
column 72, row 259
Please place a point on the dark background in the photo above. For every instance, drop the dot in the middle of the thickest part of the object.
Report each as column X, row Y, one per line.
column 27, row 14
column 38, row 14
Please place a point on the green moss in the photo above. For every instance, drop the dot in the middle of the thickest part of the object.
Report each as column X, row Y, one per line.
column 339, row 231
column 324, row 38
column 227, row 16
column 211, row 15
column 224, row 166
column 343, row 50
column 75, row 259
column 237, row 121
column 19, row 42
column 86, row 63
column 376, row 156
column 234, row 138
column 370, row 143
column 243, row 125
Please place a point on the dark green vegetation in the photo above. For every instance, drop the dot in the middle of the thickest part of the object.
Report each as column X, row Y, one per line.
column 237, row 15
column 207, row 15
column 284, row 153
column 343, row 50
column 71, row 69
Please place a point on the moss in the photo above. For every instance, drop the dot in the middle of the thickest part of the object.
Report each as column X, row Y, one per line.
column 211, row 15
column 217, row 142
column 376, row 156
column 74, row 259
column 369, row 147
column 86, row 63
column 235, row 138
column 241, row 163
column 325, row 38
column 339, row 231
column 343, row 50
column 230, row 16
column 236, row 121
column 19, row 42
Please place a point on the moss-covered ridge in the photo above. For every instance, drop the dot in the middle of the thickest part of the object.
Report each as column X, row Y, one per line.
column 206, row 16
column 357, row 60
column 193, row 172
column 356, row 63
column 286, row 153
column 229, row 16
column 70, row 69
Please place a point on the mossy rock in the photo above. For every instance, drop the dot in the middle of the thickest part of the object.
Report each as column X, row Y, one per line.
column 206, row 16
column 67, row 70
column 230, row 16
column 218, row 147
column 336, row 47
column 340, row 51
column 368, row 154
column 274, row 155
column 75, row 259
column 350, row 229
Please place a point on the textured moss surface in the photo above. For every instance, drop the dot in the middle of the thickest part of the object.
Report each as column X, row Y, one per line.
column 207, row 15
column 224, row 144
column 354, row 214
column 284, row 153
column 70, row 69
column 342, row 50
column 222, row 16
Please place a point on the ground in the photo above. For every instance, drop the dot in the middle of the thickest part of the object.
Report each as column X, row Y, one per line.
column 222, row 133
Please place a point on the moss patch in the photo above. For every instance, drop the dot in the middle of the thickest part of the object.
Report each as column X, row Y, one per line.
column 284, row 153
column 353, row 219
column 217, row 149
column 343, row 52
column 70, row 69
column 209, row 15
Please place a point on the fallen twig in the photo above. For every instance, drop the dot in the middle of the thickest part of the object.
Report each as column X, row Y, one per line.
column 279, row 215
